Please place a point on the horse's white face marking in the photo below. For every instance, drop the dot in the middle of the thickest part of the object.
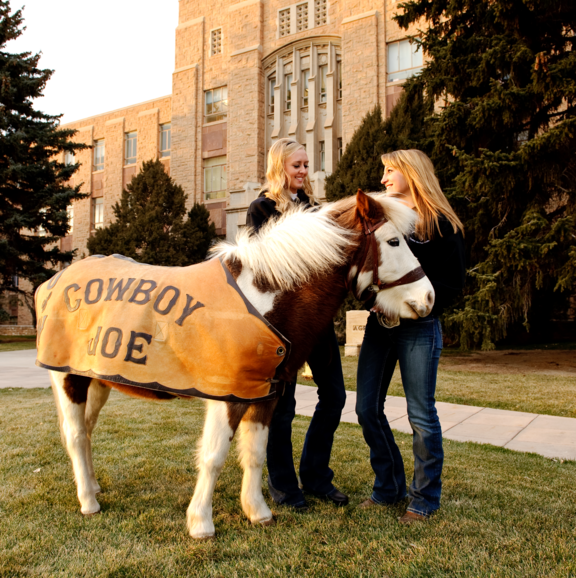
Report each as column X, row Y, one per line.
column 264, row 302
column 396, row 260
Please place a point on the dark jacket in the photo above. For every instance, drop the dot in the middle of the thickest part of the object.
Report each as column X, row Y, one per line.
column 263, row 208
column 443, row 261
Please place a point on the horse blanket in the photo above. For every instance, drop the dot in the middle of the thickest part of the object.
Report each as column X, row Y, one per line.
column 184, row 330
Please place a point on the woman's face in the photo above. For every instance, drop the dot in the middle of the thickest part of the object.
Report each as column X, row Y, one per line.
column 394, row 181
column 296, row 167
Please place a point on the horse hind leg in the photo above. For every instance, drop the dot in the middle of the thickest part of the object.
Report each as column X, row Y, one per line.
column 97, row 396
column 71, row 392
column 252, row 453
column 212, row 452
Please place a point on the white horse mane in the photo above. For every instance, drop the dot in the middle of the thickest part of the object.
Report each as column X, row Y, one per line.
column 287, row 251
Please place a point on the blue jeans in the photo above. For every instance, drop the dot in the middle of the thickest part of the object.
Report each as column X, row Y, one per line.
column 315, row 474
column 417, row 345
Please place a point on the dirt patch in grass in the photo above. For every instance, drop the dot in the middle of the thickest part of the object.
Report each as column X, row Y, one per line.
column 535, row 362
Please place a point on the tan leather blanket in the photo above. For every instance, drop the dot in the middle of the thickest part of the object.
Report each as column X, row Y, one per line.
column 183, row 330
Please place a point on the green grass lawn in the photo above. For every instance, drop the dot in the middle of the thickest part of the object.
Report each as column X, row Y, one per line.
column 17, row 342
column 503, row 513
column 544, row 394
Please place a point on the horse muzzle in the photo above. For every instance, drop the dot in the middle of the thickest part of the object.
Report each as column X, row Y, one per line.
column 424, row 307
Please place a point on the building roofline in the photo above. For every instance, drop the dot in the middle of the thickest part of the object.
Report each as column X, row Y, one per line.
column 115, row 110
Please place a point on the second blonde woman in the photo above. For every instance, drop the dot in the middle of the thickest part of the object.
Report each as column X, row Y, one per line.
column 415, row 344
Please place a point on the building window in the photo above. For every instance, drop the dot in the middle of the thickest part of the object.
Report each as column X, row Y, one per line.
column 70, row 213
column 69, row 158
column 339, row 74
column 99, row 153
column 288, row 82
column 130, row 147
column 404, row 59
column 320, row 12
column 305, row 78
column 97, row 213
column 302, row 17
column 322, row 71
column 216, row 104
column 284, row 22
column 339, row 142
column 165, row 139
column 271, row 85
column 215, row 182
column 216, row 42
column 322, row 155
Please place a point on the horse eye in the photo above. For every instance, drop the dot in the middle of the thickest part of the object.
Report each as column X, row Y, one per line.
column 394, row 242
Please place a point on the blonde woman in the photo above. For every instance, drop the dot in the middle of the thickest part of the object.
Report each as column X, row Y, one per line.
column 438, row 244
column 287, row 184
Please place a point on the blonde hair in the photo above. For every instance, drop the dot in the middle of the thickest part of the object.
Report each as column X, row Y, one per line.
column 429, row 200
column 278, row 180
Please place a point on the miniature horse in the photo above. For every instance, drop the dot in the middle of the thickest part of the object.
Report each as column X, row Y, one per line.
column 296, row 272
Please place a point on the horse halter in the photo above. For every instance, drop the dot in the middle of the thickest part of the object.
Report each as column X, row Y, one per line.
column 378, row 285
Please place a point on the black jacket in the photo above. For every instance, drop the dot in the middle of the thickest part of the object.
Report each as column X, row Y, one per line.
column 263, row 208
column 443, row 261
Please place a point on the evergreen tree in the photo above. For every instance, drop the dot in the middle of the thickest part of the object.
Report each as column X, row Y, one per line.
column 34, row 194
column 494, row 108
column 361, row 166
column 503, row 76
column 149, row 223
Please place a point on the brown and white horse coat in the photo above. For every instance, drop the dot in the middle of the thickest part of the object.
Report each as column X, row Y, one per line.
column 296, row 272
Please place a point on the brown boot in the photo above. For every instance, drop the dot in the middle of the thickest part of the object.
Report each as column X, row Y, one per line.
column 411, row 517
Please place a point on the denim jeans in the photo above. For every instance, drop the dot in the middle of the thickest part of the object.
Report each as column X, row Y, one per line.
column 417, row 346
column 315, row 473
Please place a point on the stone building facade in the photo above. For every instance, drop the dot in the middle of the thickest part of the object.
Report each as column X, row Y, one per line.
column 246, row 73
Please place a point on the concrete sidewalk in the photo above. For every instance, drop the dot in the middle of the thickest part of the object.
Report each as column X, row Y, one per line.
column 17, row 369
column 550, row 436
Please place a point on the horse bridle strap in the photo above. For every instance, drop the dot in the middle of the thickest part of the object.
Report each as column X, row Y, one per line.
column 378, row 285
column 410, row 277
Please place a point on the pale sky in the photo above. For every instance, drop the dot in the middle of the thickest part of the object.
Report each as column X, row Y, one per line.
column 106, row 54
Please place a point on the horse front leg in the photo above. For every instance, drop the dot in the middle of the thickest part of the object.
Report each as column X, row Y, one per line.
column 212, row 452
column 252, row 442
column 71, row 392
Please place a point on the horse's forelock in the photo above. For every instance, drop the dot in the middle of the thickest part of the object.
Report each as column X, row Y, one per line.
column 401, row 216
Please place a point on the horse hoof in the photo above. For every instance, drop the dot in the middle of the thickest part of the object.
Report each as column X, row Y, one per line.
column 90, row 514
column 270, row 522
column 206, row 538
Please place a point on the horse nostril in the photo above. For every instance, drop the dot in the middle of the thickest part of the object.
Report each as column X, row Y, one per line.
column 414, row 306
column 430, row 299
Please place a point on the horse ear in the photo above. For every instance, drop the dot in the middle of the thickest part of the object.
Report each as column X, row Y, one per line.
column 366, row 207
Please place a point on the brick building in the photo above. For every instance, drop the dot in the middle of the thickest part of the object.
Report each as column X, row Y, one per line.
column 246, row 73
